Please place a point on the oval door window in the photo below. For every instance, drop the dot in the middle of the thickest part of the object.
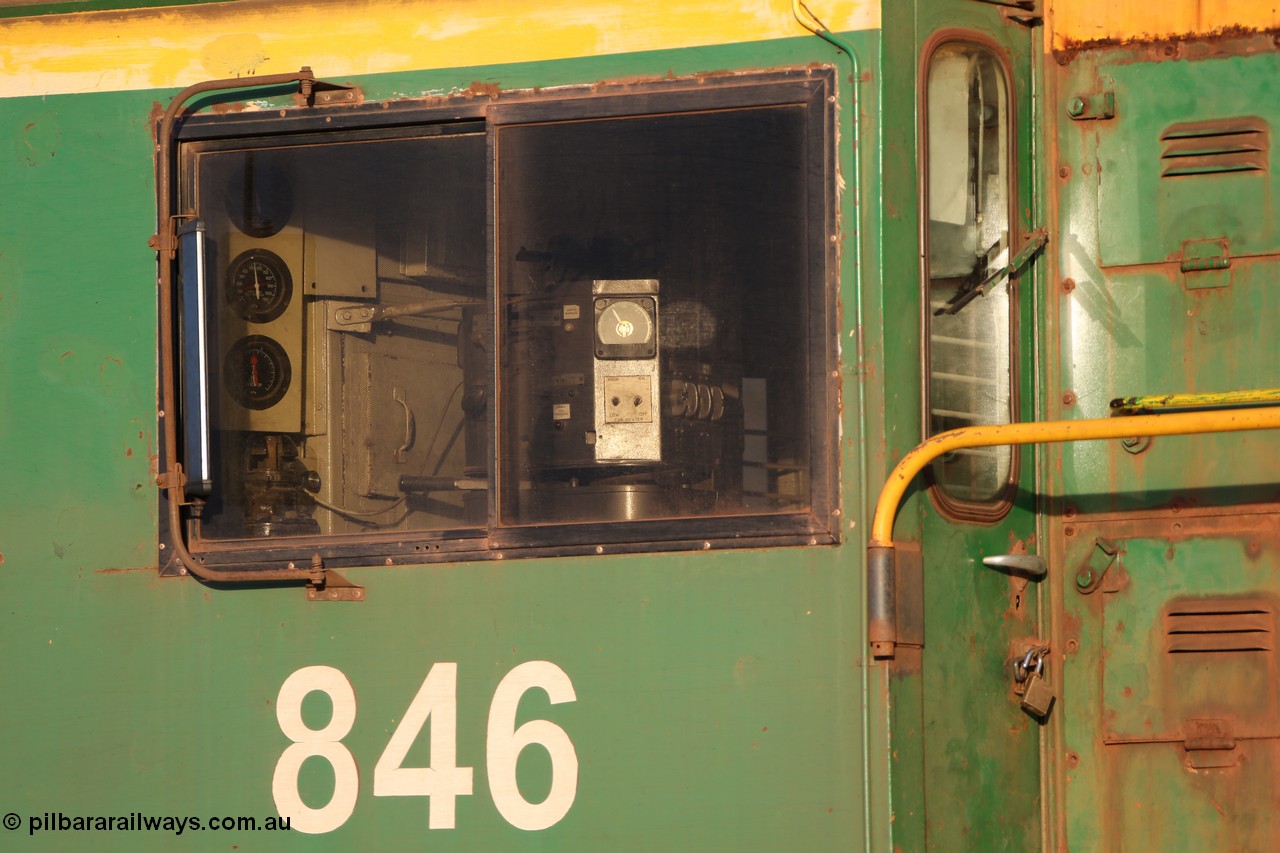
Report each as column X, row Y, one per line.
column 969, row 312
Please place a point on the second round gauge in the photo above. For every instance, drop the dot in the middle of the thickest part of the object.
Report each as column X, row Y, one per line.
column 259, row 285
column 257, row 372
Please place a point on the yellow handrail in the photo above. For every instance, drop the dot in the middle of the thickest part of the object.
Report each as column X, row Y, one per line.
column 880, row 547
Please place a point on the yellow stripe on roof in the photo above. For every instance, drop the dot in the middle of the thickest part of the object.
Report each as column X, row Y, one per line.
column 176, row 46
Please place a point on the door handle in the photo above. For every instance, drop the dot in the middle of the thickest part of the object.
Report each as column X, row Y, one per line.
column 1030, row 566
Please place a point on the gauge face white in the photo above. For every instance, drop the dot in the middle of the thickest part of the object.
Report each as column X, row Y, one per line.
column 624, row 326
column 259, row 285
column 624, row 322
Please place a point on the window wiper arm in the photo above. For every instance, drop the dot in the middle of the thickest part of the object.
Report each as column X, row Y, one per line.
column 968, row 291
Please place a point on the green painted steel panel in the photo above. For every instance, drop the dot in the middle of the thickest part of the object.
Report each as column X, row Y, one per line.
column 1141, row 693
column 1145, row 217
column 1152, row 329
column 1144, row 332
column 705, row 685
column 1133, row 319
column 719, row 703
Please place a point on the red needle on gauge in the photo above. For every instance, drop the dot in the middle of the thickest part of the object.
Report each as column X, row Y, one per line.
column 253, row 367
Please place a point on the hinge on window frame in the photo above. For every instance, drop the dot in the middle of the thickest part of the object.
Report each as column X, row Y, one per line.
column 322, row 93
column 1025, row 12
column 332, row 586
column 1035, row 241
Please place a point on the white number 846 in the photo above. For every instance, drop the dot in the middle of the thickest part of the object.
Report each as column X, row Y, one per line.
column 443, row 781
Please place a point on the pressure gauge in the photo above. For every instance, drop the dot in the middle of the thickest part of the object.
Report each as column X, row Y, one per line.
column 259, row 285
column 625, row 327
column 257, row 372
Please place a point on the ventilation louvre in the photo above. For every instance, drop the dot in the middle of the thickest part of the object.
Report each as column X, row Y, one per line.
column 1215, row 147
column 1218, row 625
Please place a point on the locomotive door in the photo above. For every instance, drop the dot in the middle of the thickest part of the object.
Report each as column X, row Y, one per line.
column 979, row 246
column 1169, row 718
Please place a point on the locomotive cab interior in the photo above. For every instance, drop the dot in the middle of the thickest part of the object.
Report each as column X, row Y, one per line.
column 340, row 336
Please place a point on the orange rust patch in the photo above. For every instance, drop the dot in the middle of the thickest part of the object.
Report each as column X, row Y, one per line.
column 1070, row 624
column 224, row 107
column 482, row 89
column 1216, row 42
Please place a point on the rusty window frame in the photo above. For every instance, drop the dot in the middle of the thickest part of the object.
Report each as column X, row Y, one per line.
column 991, row 511
column 813, row 87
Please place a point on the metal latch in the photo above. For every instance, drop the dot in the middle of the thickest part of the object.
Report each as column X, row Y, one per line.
column 1092, row 106
column 1206, row 263
column 1209, row 743
column 1095, row 565
column 360, row 316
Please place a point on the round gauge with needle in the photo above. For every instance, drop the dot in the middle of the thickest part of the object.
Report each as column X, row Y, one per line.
column 259, row 285
column 625, row 327
column 257, row 372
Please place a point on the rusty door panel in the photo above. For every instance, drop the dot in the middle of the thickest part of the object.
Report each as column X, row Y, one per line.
column 1171, row 692
column 1153, row 802
column 1192, row 162
column 1167, row 259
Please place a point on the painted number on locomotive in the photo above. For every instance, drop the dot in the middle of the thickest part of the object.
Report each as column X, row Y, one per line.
column 443, row 782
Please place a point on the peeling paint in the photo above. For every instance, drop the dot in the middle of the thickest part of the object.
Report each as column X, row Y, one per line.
column 1095, row 21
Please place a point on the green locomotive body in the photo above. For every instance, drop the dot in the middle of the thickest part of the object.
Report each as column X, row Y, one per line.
column 475, row 443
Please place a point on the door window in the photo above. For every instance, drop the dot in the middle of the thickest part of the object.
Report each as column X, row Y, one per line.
column 969, row 315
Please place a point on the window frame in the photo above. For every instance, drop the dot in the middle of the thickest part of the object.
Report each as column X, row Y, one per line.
column 980, row 512
column 814, row 88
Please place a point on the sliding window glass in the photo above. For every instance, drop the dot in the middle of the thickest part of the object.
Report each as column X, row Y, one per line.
column 445, row 336
column 657, row 290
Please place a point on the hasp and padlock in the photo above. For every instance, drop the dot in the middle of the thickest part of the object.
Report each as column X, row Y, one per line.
column 1029, row 682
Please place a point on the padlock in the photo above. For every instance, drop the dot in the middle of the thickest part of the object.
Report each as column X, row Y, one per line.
column 1038, row 698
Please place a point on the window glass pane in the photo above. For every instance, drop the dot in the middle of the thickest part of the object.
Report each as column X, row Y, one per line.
column 346, row 348
column 655, row 304
column 969, row 306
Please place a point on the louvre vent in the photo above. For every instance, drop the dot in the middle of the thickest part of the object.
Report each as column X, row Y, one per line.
column 1220, row 625
column 1215, row 147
